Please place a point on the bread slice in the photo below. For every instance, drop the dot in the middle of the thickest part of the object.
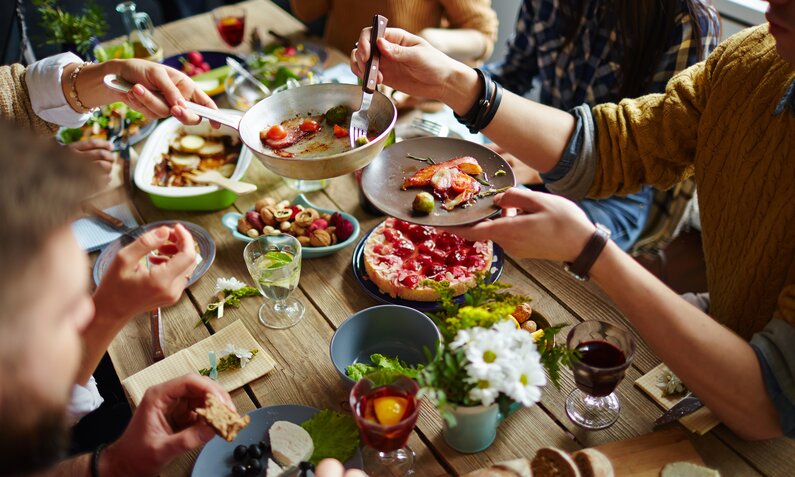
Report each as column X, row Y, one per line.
column 687, row 469
column 593, row 463
column 510, row 468
column 273, row 469
column 290, row 443
column 226, row 422
column 551, row 462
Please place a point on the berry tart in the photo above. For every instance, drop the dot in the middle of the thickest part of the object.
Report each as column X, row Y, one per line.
column 398, row 256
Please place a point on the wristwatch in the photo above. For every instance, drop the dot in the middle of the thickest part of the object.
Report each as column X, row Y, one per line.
column 581, row 265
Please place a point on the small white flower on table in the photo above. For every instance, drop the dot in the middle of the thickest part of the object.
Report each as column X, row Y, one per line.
column 242, row 354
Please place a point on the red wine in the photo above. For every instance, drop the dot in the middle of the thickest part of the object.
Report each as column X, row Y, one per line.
column 595, row 373
column 231, row 30
column 600, row 354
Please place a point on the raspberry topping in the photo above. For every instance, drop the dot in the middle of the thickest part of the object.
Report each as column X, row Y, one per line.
column 404, row 248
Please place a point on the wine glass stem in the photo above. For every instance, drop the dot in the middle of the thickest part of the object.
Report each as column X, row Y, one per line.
column 279, row 306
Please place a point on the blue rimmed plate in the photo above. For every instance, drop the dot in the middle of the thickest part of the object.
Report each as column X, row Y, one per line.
column 216, row 459
column 360, row 272
column 229, row 220
column 202, row 237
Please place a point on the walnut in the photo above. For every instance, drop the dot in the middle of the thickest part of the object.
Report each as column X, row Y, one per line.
column 305, row 241
column 283, row 215
column 306, row 217
column 530, row 326
column 326, row 216
column 320, row 238
column 297, row 229
column 268, row 215
column 284, row 204
column 522, row 312
column 285, row 226
column 331, row 229
column 334, row 239
column 264, row 202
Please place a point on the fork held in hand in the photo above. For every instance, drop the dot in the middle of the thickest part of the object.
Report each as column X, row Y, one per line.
column 359, row 121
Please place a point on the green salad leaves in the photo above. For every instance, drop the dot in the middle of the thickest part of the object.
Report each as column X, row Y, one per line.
column 382, row 363
column 334, row 435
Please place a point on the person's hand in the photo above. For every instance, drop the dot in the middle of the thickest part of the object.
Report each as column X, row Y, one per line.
column 534, row 225
column 164, row 426
column 170, row 84
column 130, row 287
column 99, row 152
column 333, row 468
column 408, row 63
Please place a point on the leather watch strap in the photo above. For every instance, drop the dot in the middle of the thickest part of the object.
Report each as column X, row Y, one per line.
column 583, row 263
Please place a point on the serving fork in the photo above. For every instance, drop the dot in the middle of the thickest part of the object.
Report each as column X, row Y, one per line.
column 431, row 127
column 359, row 121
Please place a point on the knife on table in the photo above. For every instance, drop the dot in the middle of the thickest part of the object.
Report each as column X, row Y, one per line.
column 157, row 335
column 687, row 405
column 124, row 153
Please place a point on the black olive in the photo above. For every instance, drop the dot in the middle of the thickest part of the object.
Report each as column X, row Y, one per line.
column 240, row 453
column 239, row 470
column 254, row 467
column 304, row 465
column 254, row 451
column 264, row 447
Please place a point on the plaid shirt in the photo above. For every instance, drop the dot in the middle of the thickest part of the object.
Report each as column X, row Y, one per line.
column 588, row 70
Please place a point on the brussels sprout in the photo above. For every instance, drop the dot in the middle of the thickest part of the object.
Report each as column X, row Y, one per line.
column 423, row 203
column 362, row 140
column 337, row 115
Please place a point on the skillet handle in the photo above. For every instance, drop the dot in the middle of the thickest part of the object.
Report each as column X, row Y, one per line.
column 370, row 79
column 229, row 119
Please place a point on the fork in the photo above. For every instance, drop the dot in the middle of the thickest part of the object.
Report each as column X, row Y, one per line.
column 431, row 127
column 359, row 121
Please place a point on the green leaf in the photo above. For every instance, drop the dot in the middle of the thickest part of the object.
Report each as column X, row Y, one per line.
column 334, row 435
column 71, row 135
column 382, row 363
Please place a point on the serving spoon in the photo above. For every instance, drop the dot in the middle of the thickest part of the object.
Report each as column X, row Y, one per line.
column 216, row 178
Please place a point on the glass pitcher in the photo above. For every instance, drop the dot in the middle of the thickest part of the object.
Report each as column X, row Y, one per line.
column 140, row 30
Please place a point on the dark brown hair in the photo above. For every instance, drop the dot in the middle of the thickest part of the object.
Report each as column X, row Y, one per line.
column 643, row 27
column 41, row 187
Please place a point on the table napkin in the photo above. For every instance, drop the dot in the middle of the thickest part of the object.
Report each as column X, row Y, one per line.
column 92, row 234
column 699, row 422
column 191, row 360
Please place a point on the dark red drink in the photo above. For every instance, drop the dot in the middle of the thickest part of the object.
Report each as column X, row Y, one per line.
column 600, row 368
column 232, row 29
column 385, row 415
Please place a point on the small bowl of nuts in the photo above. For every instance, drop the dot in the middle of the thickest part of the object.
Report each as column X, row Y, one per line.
column 320, row 231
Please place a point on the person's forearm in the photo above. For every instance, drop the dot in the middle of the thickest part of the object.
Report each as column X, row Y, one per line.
column 536, row 134
column 75, row 467
column 90, row 88
column 463, row 44
column 715, row 363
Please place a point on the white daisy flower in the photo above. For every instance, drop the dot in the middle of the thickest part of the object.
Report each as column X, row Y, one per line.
column 230, row 283
column 486, row 352
column 525, row 380
column 242, row 354
column 484, row 393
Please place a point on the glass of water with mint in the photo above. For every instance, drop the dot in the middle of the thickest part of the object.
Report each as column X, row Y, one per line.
column 274, row 262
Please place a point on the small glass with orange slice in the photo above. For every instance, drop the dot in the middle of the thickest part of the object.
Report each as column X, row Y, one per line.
column 385, row 407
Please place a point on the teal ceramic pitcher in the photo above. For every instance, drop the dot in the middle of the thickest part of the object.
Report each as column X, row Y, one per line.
column 476, row 427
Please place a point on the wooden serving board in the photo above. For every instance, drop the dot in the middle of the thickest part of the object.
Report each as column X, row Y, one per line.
column 647, row 455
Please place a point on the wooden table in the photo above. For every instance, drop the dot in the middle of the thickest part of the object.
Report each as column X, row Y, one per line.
column 304, row 373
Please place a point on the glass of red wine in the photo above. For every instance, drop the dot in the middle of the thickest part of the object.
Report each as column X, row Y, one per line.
column 230, row 22
column 385, row 408
column 605, row 353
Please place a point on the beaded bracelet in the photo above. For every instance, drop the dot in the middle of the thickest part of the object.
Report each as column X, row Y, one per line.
column 73, row 89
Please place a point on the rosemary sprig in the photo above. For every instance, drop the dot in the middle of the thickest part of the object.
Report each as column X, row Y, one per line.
column 487, row 193
column 427, row 160
column 229, row 298
column 482, row 181
column 230, row 361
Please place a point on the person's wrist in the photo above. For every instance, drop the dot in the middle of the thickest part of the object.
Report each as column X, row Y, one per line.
column 111, row 462
column 91, row 88
column 581, row 235
column 461, row 88
column 601, row 267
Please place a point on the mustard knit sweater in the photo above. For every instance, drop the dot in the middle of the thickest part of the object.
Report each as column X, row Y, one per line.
column 346, row 18
column 716, row 120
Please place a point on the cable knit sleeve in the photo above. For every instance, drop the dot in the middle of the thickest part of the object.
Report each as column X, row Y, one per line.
column 475, row 15
column 15, row 103
column 652, row 139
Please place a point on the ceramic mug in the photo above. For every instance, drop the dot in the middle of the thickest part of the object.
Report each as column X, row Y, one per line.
column 476, row 427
